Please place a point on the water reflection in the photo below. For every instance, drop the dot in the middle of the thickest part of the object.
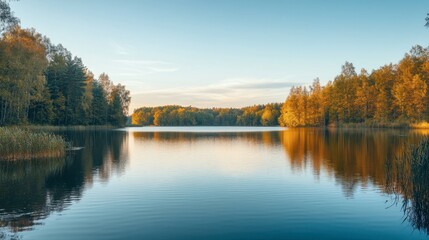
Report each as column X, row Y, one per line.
column 31, row 190
column 258, row 138
column 354, row 158
column 23, row 196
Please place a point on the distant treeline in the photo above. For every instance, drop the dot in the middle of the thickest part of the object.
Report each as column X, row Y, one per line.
column 258, row 115
column 42, row 83
column 394, row 93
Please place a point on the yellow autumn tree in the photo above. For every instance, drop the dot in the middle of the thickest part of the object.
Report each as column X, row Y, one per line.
column 22, row 62
column 315, row 105
column 384, row 78
column 294, row 110
column 365, row 97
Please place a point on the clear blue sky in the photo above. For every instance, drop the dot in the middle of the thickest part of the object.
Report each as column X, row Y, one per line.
column 226, row 53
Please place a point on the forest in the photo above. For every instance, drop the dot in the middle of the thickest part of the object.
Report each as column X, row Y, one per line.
column 392, row 95
column 257, row 115
column 43, row 83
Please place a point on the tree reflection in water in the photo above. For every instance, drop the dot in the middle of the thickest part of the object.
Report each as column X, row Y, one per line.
column 31, row 190
column 360, row 157
column 23, row 196
column 355, row 158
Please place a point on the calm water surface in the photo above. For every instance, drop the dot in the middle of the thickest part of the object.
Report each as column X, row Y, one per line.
column 216, row 183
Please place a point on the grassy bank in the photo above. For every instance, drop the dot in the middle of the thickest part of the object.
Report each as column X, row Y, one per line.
column 18, row 143
column 371, row 124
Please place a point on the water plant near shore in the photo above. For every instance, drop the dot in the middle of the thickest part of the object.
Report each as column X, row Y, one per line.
column 408, row 180
column 17, row 143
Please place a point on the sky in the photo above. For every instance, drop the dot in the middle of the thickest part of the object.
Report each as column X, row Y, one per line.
column 225, row 53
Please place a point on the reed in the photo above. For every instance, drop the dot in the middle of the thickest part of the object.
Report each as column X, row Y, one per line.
column 408, row 179
column 17, row 143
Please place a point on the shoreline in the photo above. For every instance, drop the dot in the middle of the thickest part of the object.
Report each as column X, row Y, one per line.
column 392, row 125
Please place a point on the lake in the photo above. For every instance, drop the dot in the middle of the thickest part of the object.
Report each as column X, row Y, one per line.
column 217, row 183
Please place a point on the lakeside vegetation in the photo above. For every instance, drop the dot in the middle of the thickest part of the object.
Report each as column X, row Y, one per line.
column 17, row 143
column 408, row 179
column 391, row 96
column 394, row 95
column 43, row 83
column 40, row 187
column 257, row 115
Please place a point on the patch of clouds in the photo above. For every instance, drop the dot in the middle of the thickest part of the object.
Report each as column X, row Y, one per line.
column 139, row 68
column 236, row 92
column 120, row 49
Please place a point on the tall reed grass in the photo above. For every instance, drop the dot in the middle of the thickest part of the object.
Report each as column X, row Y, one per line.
column 18, row 143
column 408, row 178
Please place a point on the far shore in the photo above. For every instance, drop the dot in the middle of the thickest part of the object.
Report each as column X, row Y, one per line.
column 393, row 125
column 390, row 125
